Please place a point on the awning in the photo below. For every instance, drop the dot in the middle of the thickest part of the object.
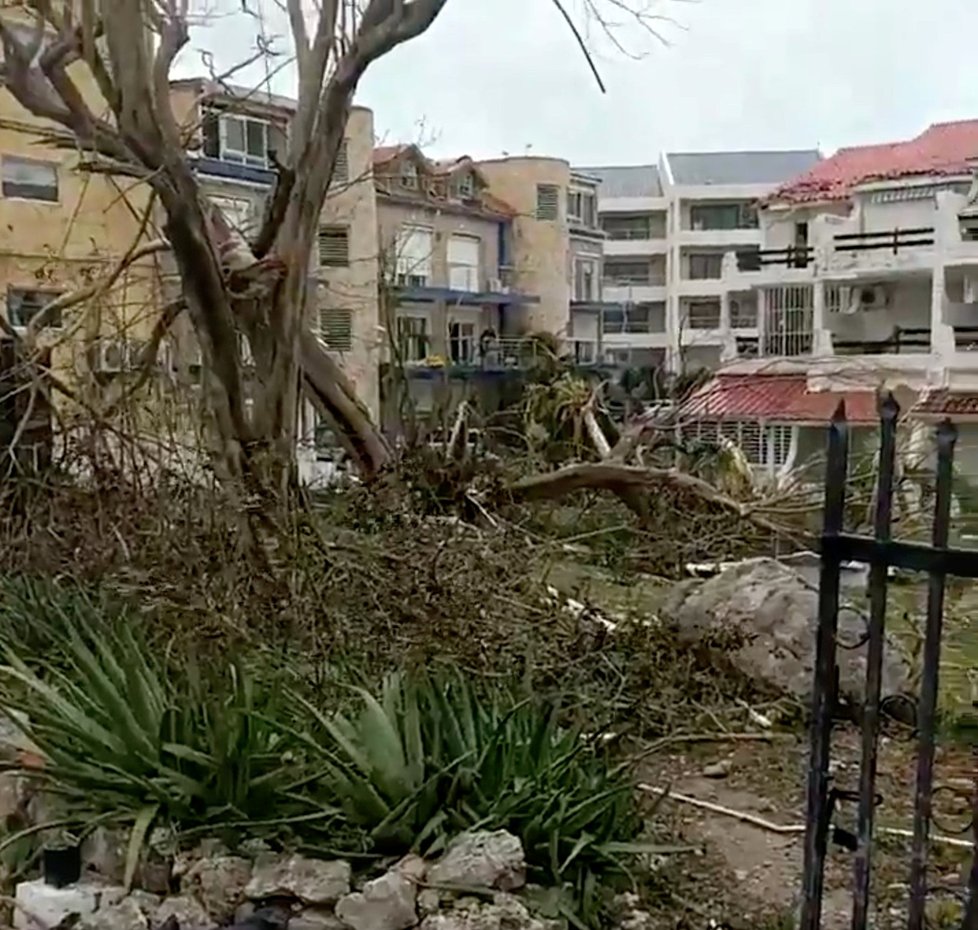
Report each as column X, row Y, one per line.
column 944, row 403
column 775, row 399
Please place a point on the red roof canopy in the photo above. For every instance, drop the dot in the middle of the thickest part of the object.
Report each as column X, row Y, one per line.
column 943, row 149
column 775, row 398
column 945, row 403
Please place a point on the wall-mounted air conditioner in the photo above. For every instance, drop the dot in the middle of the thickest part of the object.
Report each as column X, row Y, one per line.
column 111, row 356
column 872, row 297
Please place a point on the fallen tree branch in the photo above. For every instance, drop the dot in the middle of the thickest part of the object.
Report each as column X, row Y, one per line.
column 784, row 828
column 624, row 480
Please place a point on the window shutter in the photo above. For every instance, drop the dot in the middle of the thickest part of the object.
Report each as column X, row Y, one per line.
column 336, row 328
column 334, row 246
column 548, row 202
column 341, row 170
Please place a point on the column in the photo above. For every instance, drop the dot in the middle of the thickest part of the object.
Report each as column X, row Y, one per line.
column 821, row 337
column 941, row 335
column 728, row 351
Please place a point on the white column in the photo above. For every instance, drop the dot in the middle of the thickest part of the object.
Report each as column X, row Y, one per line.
column 821, row 337
column 941, row 335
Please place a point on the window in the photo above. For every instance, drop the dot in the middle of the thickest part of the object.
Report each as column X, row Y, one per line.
column 29, row 179
column 581, row 208
column 634, row 318
column 409, row 174
column 241, row 139
column 585, row 279
column 341, row 168
column 24, row 304
column 705, row 265
column 743, row 313
column 334, row 246
column 703, row 314
column 618, row 273
column 780, row 439
column 414, row 247
column 723, row 216
column 548, row 202
column 336, row 328
column 412, row 338
column 634, row 226
column 461, row 343
column 465, row 187
column 463, row 263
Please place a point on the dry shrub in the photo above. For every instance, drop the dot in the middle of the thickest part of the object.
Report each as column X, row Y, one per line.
column 363, row 580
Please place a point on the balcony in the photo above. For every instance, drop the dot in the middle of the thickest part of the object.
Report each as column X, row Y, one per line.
column 722, row 236
column 639, row 244
column 747, row 268
column 892, row 250
column 638, row 290
column 903, row 341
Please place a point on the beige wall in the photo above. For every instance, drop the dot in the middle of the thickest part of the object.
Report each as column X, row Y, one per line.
column 540, row 247
column 354, row 204
column 64, row 245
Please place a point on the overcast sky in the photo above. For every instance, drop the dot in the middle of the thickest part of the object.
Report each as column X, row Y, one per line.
column 494, row 76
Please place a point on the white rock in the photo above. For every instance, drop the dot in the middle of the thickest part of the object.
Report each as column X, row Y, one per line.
column 491, row 860
column 219, row 884
column 40, row 906
column 774, row 611
column 312, row 881
column 188, row 911
column 125, row 915
column 386, row 903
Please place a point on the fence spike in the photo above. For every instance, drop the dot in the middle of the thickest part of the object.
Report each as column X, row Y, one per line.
column 889, row 408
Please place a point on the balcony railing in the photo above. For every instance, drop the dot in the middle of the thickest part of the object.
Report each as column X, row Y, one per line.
column 966, row 338
column 635, row 235
column 904, row 341
column 892, row 240
column 463, row 278
column 795, row 256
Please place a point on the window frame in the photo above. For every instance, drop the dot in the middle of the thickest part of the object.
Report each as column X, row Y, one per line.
column 21, row 160
column 52, row 294
column 547, row 211
column 408, row 339
column 242, row 156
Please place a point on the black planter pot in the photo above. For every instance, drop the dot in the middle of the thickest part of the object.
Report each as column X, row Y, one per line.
column 62, row 865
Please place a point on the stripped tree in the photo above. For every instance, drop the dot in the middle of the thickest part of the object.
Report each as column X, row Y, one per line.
column 230, row 287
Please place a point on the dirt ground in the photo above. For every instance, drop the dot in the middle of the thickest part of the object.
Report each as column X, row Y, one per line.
column 748, row 876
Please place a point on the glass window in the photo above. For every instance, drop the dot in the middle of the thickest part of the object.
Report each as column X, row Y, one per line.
column 29, row 179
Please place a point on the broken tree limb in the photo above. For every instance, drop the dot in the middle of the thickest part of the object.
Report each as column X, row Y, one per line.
column 624, row 480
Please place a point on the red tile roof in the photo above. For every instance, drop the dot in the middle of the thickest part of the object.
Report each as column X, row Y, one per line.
column 775, row 398
column 945, row 403
column 384, row 153
column 943, row 149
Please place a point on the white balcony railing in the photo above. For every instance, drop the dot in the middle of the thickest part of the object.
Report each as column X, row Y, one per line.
column 463, row 278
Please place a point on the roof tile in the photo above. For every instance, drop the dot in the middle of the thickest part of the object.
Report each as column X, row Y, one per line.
column 942, row 149
column 775, row 398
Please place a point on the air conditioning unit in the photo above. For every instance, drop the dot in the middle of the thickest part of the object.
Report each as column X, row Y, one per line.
column 111, row 356
column 874, row 297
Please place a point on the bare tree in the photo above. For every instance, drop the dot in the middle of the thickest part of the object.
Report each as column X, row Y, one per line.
column 229, row 286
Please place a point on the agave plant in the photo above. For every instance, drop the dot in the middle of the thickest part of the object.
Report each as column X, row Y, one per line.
column 124, row 737
column 431, row 756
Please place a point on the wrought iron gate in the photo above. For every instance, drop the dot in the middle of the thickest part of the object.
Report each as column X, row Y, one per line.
column 879, row 552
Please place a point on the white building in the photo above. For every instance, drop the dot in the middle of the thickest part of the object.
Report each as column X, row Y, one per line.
column 668, row 227
column 866, row 279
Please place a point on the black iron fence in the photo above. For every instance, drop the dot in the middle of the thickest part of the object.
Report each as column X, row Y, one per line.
column 880, row 552
column 893, row 240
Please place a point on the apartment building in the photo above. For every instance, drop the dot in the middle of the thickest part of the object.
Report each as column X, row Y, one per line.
column 668, row 227
column 234, row 135
column 865, row 279
column 478, row 260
